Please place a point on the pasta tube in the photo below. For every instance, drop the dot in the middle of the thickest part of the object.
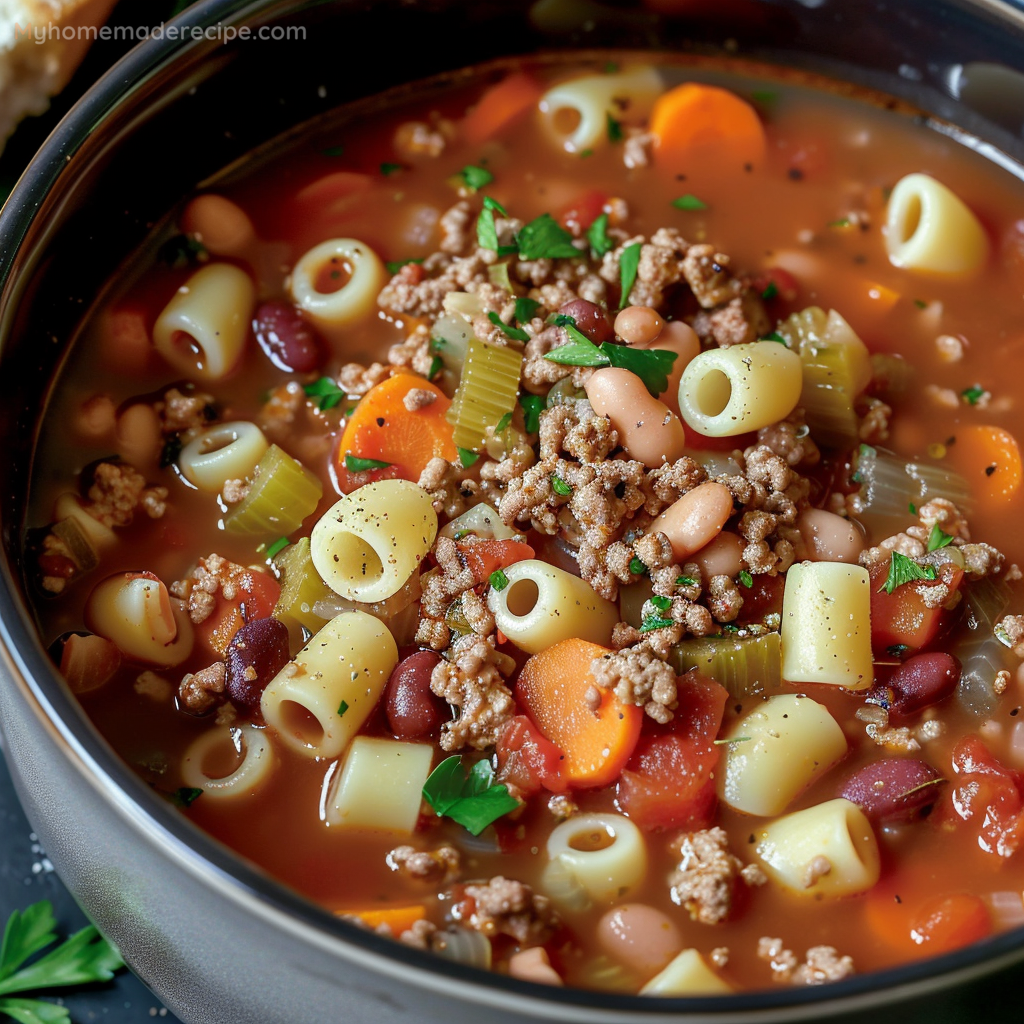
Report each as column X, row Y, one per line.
column 317, row 274
column 245, row 753
column 605, row 852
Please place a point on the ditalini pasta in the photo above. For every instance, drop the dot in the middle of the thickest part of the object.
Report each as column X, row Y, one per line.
column 728, row 391
column 368, row 544
column 577, row 112
column 202, row 330
column 604, row 852
column 320, row 699
column 380, row 785
column 930, row 228
column 229, row 762
column 825, row 850
column 775, row 752
column 336, row 282
column 229, row 451
column 826, row 625
column 543, row 604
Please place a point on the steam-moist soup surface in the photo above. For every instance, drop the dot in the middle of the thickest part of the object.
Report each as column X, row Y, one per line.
column 729, row 213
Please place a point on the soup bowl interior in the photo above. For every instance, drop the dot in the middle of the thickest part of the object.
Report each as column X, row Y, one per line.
column 217, row 939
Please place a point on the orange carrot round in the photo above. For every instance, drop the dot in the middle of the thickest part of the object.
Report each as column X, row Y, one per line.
column 500, row 106
column 695, row 122
column 556, row 689
column 398, row 919
column 989, row 458
column 383, row 429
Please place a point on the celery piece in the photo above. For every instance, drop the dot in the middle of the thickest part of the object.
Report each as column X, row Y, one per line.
column 889, row 484
column 488, row 390
column 301, row 588
column 282, row 494
column 836, row 369
column 744, row 665
column 456, row 620
column 980, row 651
column 79, row 548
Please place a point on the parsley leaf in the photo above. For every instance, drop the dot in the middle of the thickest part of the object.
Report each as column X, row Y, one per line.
column 560, row 487
column 503, row 423
column 185, row 796
column 972, row 395
column 525, row 308
column 920, row 303
column 334, row 151
column 498, row 580
column 938, row 538
column 655, row 622
column 774, row 336
column 746, row 579
column 685, row 581
column 897, row 650
column 436, row 366
column 651, row 365
column 342, row 708
column 84, row 958
column 545, row 238
column 394, row 266
column 475, row 177
column 770, row 291
column 467, row 457
column 580, row 351
column 689, row 202
column 597, row 236
column 532, row 405
column 354, row 464
column 277, row 547
column 486, row 232
column 469, row 798
column 327, row 390
column 905, row 570
column 388, row 169
column 661, row 603
column 637, row 567
column 511, row 332
column 613, row 128
column 628, row 264
column 183, row 251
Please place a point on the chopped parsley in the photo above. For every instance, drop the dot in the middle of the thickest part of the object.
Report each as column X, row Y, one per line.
column 746, row 579
column 663, row 604
column 503, row 423
column 334, row 150
column 689, row 202
column 185, row 796
column 775, row 336
column 938, row 538
column 597, row 236
column 560, row 487
column 655, row 622
column 388, row 169
column 770, row 291
column 920, row 303
column 584, row 153
column 84, row 958
column 510, row 332
column 972, row 395
column 637, row 567
column 685, row 581
column 466, row 457
column 763, row 96
column 394, row 266
column 342, row 708
column 532, row 406
column 629, row 262
column 613, row 128
column 354, row 464
column 183, row 251
column 897, row 650
column 545, row 238
column 610, row 67
column 170, row 451
column 912, row 509
column 905, row 570
column 486, row 232
column 327, row 390
column 475, row 177
column 525, row 308
column 436, row 344
column 436, row 366
column 277, row 547
column 841, row 222
column 498, row 580
column 469, row 798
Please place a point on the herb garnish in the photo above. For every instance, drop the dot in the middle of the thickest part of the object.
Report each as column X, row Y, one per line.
column 486, row 232
column 185, row 796
column 503, row 423
column 394, row 266
column 597, row 236
column 525, row 308
column 516, row 333
column 774, row 336
column 475, row 177
column 689, row 202
column 467, row 457
column 637, row 567
column 920, row 303
column 746, row 579
column 652, row 622
column 938, row 538
column 560, row 487
column 905, row 570
column 277, row 547
column 545, row 238
column 532, row 406
column 470, row 798
column 663, row 604
column 183, row 251
column 685, row 581
column 354, row 464
column 897, row 650
column 629, row 262
column 498, row 580
column 388, row 169
column 972, row 395
column 327, row 390
column 342, row 708
column 334, row 151
column 84, row 958
column 770, row 291
column 436, row 365
column 613, row 128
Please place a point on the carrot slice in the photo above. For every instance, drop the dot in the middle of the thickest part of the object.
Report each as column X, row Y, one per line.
column 989, row 459
column 695, row 122
column 398, row 919
column 553, row 689
column 383, row 429
column 334, row 190
column 500, row 106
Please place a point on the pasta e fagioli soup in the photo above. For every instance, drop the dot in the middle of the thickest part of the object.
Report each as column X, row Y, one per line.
column 567, row 522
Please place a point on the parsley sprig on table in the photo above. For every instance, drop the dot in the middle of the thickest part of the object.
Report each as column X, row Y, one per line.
column 84, row 958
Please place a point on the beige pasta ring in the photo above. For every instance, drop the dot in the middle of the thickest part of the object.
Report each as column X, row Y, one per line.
column 250, row 744
column 228, row 451
column 356, row 296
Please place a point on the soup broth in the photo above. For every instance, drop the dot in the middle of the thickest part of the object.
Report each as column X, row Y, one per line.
column 492, row 224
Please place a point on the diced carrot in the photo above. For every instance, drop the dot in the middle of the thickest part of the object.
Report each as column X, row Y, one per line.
column 383, row 429
column 582, row 211
column 881, row 299
column 398, row 919
column 903, row 618
column 556, row 688
column 989, row 459
column 500, row 106
column 948, row 922
column 256, row 592
column 483, row 557
column 706, row 124
column 326, row 194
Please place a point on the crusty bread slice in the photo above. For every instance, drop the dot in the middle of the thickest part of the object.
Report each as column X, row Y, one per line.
column 36, row 60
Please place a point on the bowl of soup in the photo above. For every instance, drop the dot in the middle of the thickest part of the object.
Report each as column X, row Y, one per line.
column 527, row 528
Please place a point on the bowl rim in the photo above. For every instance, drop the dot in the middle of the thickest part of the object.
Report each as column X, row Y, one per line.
column 54, row 167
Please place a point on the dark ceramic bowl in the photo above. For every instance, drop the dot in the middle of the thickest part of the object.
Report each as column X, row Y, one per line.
column 217, row 940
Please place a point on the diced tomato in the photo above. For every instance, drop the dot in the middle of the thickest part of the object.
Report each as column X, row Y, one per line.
column 949, row 922
column 988, row 794
column 256, row 594
column 483, row 557
column 902, row 619
column 87, row 662
column 669, row 781
column 582, row 212
column 786, row 286
column 527, row 760
column 334, row 192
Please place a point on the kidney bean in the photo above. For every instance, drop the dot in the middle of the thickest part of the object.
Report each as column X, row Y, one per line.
column 920, row 681
column 590, row 318
column 288, row 341
column 639, row 936
column 411, row 708
column 894, row 789
column 257, row 652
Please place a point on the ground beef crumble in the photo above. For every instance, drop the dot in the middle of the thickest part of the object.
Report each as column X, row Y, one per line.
column 118, row 491
column 821, row 964
column 706, row 879
column 426, row 865
column 504, row 906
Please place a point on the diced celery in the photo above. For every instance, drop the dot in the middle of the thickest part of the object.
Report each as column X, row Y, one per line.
column 890, row 485
column 744, row 665
column 301, row 588
column 77, row 543
column 283, row 493
column 487, row 391
column 982, row 655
